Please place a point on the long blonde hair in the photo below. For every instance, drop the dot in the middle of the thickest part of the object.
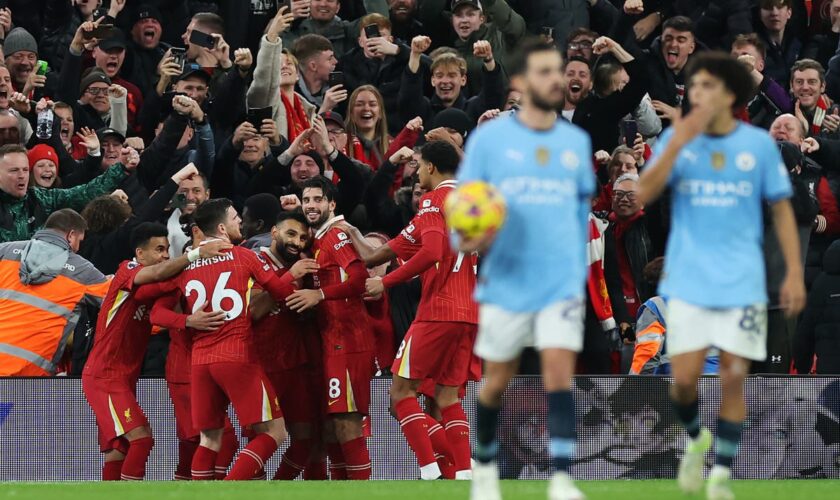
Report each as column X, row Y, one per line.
column 381, row 127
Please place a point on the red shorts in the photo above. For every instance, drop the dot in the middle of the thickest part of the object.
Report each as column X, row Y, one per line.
column 441, row 351
column 245, row 385
column 347, row 382
column 427, row 388
column 114, row 404
column 295, row 388
column 179, row 393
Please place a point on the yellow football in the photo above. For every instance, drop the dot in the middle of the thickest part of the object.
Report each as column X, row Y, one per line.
column 475, row 209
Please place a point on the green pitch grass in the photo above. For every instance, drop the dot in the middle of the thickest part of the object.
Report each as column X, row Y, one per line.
column 402, row 490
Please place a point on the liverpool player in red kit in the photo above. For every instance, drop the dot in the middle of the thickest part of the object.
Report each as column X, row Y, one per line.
column 348, row 349
column 438, row 345
column 279, row 337
column 225, row 368
column 110, row 376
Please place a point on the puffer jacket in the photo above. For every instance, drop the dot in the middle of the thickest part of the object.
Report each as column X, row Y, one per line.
column 21, row 217
column 819, row 331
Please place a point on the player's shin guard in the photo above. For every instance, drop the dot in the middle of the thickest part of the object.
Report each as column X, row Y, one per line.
column 416, row 431
column 186, row 450
column 226, row 453
column 134, row 467
column 561, row 429
column 111, row 470
column 689, row 416
column 252, row 458
column 357, row 459
column 337, row 462
column 443, row 451
column 458, row 435
column 486, row 419
column 294, row 460
column 728, row 438
column 203, row 464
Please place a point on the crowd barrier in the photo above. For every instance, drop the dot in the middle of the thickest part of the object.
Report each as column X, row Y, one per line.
column 626, row 430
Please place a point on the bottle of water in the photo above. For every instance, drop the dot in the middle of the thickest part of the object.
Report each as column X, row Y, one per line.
column 44, row 128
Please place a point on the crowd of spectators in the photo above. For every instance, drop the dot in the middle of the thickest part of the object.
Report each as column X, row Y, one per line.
column 104, row 103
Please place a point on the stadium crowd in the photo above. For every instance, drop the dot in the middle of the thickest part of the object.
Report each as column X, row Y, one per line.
column 132, row 112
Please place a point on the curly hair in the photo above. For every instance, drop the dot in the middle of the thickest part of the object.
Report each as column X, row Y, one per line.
column 106, row 213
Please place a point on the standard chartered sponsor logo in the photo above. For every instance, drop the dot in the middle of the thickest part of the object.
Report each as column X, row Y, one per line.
column 715, row 193
column 538, row 191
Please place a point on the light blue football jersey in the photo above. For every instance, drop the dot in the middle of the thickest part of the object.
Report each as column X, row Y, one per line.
column 719, row 186
column 539, row 256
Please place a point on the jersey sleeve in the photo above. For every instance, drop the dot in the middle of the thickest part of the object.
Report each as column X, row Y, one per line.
column 429, row 217
column 658, row 148
column 402, row 247
column 342, row 249
column 163, row 313
column 261, row 271
column 472, row 166
column 126, row 273
column 775, row 179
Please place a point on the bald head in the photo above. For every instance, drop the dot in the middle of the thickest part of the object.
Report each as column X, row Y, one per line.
column 788, row 128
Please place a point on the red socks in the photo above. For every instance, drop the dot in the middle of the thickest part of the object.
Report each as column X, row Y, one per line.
column 458, row 435
column 203, row 464
column 294, row 460
column 357, row 459
column 443, row 452
column 111, row 470
column 186, row 450
column 416, row 430
column 251, row 460
column 134, row 465
column 337, row 465
column 225, row 456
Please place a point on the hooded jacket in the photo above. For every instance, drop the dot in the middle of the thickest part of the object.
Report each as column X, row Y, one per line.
column 21, row 217
column 43, row 286
column 819, row 331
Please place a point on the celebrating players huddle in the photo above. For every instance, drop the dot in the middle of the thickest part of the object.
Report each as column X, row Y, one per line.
column 282, row 335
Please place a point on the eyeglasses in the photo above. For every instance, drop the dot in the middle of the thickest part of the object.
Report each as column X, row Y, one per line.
column 580, row 45
column 336, row 131
column 97, row 91
column 629, row 195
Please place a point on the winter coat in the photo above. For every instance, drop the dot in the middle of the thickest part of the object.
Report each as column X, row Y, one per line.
column 819, row 331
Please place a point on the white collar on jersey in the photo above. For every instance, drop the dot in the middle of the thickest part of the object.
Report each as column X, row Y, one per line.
column 268, row 253
column 327, row 225
column 449, row 183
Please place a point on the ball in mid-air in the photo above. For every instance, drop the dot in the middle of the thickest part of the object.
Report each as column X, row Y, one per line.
column 475, row 209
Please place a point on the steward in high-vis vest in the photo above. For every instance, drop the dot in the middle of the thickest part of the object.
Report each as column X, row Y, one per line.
column 43, row 284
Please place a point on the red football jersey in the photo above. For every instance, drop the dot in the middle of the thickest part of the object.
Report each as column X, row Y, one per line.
column 278, row 337
column 178, row 357
column 122, row 328
column 343, row 322
column 225, row 283
column 448, row 286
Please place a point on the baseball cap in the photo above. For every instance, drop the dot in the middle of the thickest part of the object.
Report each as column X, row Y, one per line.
column 455, row 119
column 332, row 116
column 109, row 132
column 458, row 3
column 193, row 68
column 117, row 41
column 42, row 152
column 147, row 11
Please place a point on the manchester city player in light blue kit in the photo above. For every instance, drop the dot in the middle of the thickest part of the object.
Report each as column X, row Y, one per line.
column 721, row 173
column 533, row 275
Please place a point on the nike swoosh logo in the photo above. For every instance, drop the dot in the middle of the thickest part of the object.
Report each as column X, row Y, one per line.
column 332, row 402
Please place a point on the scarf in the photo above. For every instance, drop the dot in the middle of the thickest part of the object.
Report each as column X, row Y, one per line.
column 367, row 152
column 819, row 115
column 596, row 282
column 296, row 118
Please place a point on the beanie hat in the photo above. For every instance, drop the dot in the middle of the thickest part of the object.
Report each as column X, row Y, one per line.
column 316, row 158
column 42, row 152
column 18, row 40
column 455, row 119
column 265, row 207
column 94, row 75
